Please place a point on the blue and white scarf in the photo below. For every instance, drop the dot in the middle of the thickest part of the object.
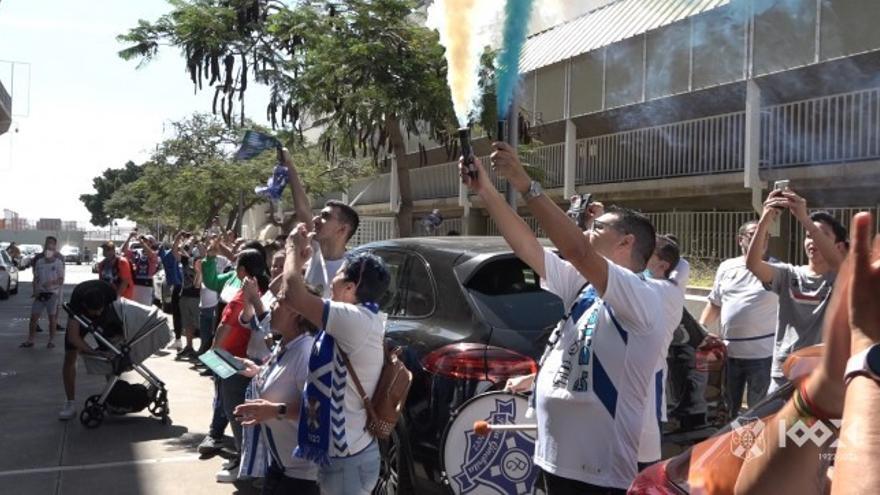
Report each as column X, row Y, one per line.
column 322, row 414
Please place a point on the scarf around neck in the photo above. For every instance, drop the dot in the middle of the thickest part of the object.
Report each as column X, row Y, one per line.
column 321, row 432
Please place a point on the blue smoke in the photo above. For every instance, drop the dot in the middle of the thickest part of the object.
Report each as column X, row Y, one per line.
column 516, row 21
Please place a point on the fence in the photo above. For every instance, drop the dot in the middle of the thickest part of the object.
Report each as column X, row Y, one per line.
column 706, row 235
column 796, row 254
column 837, row 128
column 434, row 182
column 419, row 229
column 373, row 229
column 695, row 147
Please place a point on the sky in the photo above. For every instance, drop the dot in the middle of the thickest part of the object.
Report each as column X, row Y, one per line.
column 89, row 109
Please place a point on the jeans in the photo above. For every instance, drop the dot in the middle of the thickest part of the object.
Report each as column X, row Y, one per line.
column 276, row 483
column 353, row 475
column 218, row 417
column 687, row 383
column 232, row 392
column 557, row 485
column 207, row 325
column 755, row 373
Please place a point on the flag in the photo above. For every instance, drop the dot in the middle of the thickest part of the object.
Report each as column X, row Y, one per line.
column 255, row 143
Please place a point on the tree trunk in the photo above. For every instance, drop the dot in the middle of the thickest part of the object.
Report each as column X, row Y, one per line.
column 398, row 146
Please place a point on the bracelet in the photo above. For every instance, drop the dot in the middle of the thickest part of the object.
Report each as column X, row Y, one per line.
column 816, row 411
column 804, row 414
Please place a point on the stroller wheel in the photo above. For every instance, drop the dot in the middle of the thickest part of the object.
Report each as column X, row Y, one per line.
column 159, row 409
column 92, row 401
column 92, row 416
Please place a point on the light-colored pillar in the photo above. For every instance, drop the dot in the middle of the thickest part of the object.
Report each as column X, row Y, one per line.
column 570, row 162
column 394, row 200
column 752, row 151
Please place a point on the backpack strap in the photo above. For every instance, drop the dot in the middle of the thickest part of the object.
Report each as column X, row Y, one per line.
column 357, row 382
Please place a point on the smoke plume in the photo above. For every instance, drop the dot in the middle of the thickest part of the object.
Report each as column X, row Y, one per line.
column 516, row 22
column 466, row 28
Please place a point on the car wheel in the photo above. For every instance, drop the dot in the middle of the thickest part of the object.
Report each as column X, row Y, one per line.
column 4, row 294
column 394, row 470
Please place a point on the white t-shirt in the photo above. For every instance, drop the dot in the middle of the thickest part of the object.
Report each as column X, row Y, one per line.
column 589, row 425
column 360, row 333
column 672, row 293
column 320, row 271
column 283, row 380
column 748, row 310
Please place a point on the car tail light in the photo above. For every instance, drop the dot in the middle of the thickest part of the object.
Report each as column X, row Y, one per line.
column 478, row 362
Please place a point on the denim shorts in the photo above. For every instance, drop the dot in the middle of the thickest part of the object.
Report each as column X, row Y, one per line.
column 354, row 475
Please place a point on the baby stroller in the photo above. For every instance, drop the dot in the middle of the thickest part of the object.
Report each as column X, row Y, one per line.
column 145, row 331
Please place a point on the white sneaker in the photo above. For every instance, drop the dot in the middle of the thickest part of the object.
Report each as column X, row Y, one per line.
column 227, row 475
column 68, row 411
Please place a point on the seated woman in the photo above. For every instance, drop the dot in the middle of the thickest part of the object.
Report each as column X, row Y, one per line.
column 93, row 300
column 279, row 385
column 332, row 419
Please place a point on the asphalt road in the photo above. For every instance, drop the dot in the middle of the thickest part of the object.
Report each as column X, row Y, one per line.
column 133, row 454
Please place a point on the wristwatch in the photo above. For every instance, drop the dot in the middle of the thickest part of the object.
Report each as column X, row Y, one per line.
column 865, row 363
column 282, row 411
column 534, row 191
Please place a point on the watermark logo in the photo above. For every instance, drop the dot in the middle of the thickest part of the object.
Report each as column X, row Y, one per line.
column 747, row 440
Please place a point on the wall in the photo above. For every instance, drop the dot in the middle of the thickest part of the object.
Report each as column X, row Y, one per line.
column 74, row 238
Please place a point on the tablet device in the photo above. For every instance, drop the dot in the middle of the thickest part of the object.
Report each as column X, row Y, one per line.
column 221, row 363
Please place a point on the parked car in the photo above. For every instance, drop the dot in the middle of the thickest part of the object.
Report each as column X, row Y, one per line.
column 468, row 315
column 712, row 466
column 8, row 276
column 161, row 291
column 71, row 254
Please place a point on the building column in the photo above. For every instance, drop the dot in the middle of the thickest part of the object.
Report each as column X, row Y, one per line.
column 752, row 151
column 570, row 161
column 465, row 202
column 394, row 200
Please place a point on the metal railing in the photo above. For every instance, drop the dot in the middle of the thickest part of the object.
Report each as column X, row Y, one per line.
column 694, row 147
column 836, row 128
column 796, row 253
column 373, row 229
column 706, row 235
column 449, row 224
column 550, row 160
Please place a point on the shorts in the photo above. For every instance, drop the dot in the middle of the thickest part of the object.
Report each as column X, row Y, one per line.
column 50, row 305
column 189, row 312
column 143, row 295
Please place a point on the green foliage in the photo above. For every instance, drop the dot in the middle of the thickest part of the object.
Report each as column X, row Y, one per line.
column 105, row 185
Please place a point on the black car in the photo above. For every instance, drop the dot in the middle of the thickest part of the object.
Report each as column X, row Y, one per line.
column 468, row 314
column 446, row 292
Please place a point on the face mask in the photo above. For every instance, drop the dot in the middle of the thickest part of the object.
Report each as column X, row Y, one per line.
column 647, row 274
column 50, row 253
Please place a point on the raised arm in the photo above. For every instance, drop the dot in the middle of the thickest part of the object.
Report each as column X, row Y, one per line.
column 295, row 292
column 573, row 245
column 300, row 200
column 125, row 246
column 857, row 466
column 513, row 228
column 755, row 255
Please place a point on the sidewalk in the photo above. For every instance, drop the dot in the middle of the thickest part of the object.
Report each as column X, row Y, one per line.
column 133, row 454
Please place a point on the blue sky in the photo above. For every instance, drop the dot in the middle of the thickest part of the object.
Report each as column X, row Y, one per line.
column 89, row 109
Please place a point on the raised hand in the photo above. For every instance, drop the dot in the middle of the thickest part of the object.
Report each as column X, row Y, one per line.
column 506, row 164
column 864, row 313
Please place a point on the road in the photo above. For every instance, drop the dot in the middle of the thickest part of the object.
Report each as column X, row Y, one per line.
column 132, row 454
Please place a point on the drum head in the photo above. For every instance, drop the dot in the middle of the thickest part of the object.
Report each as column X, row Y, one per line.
column 497, row 464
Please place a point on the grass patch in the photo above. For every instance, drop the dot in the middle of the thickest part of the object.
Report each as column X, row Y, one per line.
column 703, row 272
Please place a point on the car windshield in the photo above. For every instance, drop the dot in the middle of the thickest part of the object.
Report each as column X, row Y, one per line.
column 509, row 295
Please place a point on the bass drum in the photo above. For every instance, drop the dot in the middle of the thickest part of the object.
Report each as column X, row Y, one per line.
column 497, row 464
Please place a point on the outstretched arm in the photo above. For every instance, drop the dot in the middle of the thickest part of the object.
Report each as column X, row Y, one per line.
column 512, row 227
column 573, row 245
column 824, row 244
column 300, row 200
column 755, row 255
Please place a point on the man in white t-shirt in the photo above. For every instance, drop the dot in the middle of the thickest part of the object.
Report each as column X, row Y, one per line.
column 592, row 387
column 670, row 272
column 332, row 422
column 331, row 229
column 747, row 312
